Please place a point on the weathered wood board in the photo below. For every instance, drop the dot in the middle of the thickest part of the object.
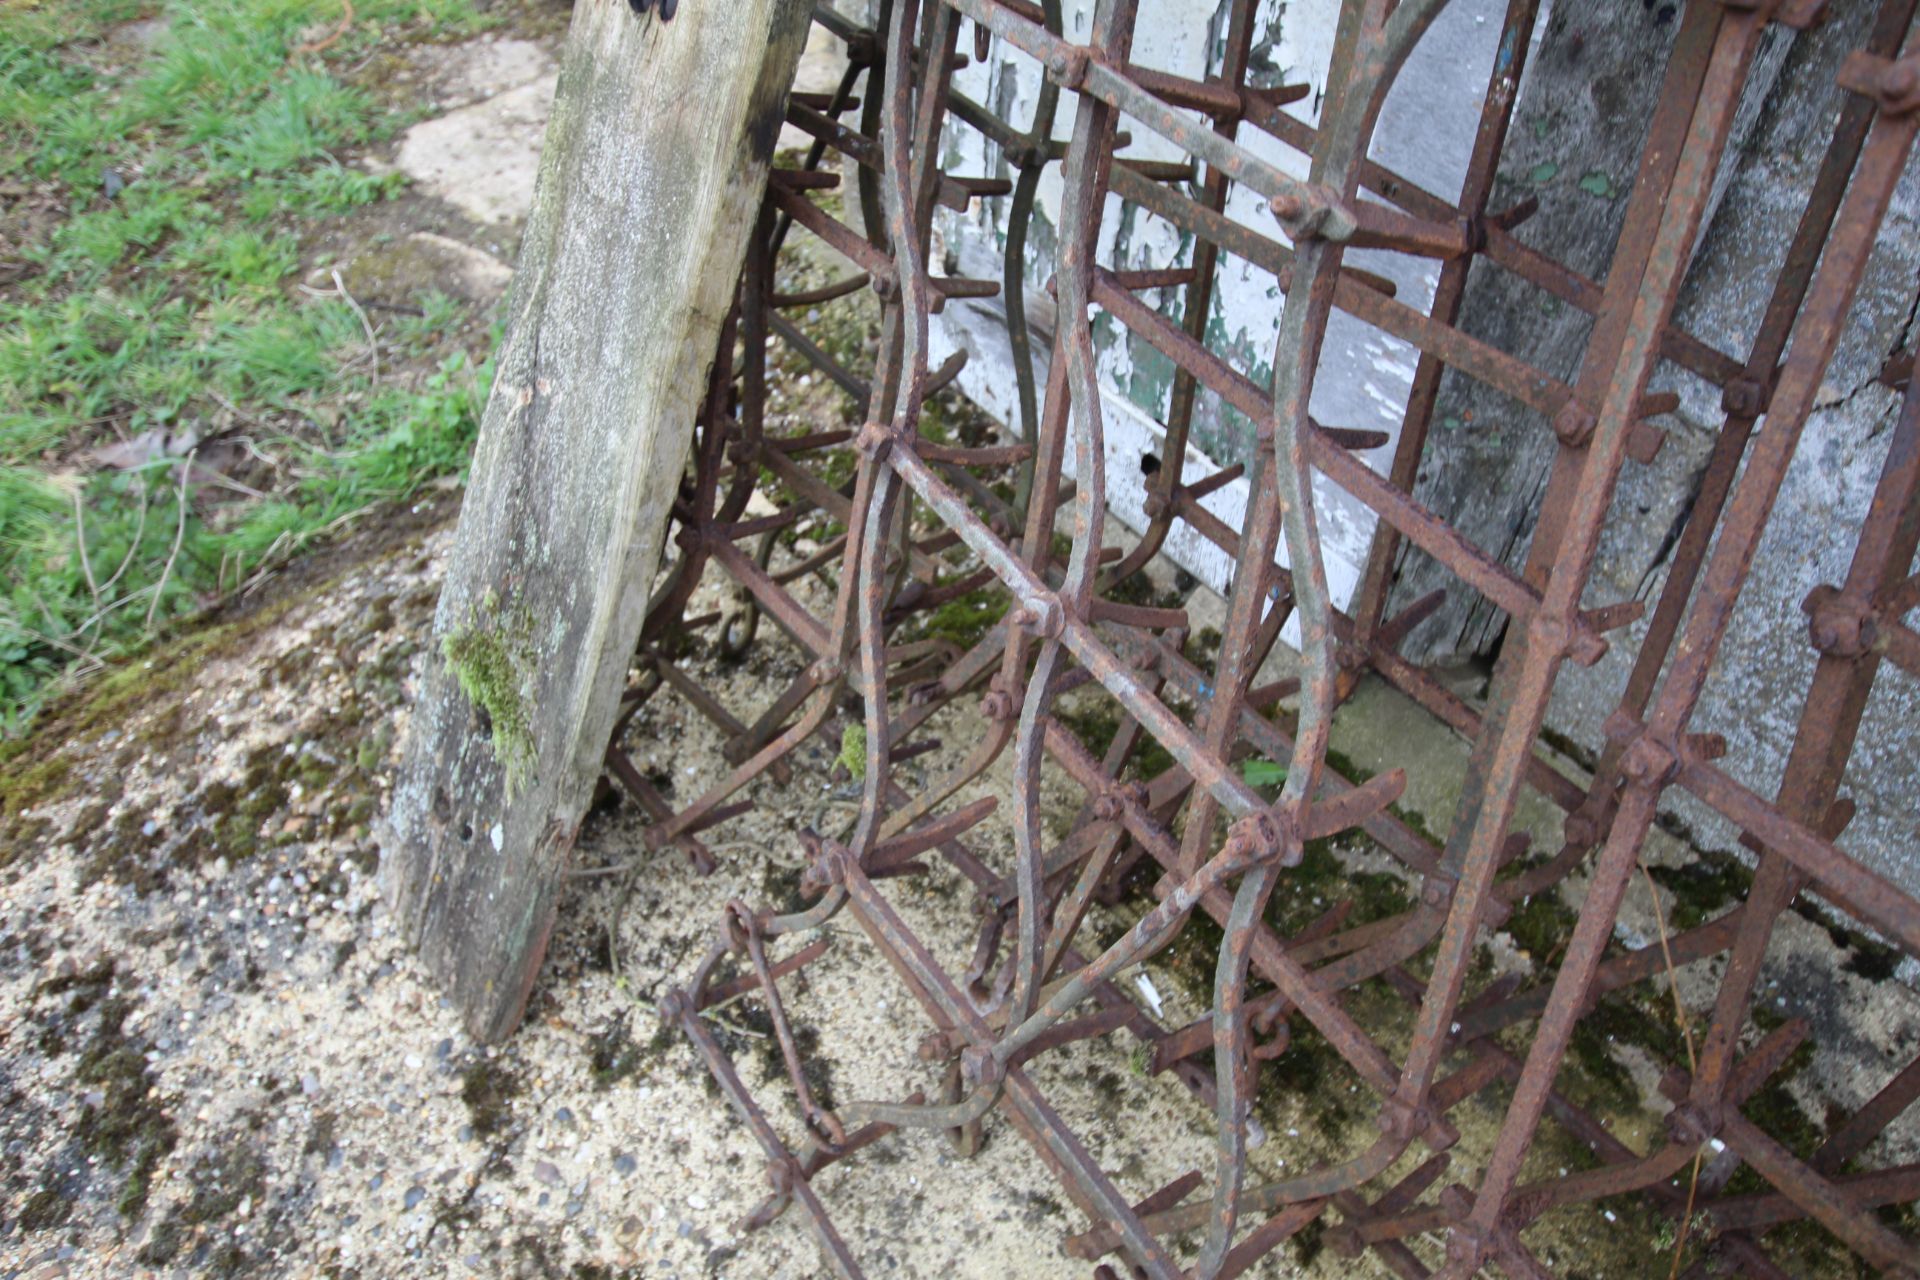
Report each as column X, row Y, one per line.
column 653, row 167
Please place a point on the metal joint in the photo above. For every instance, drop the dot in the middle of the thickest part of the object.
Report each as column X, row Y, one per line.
column 1893, row 85
column 1574, row 424
column 1468, row 1244
column 1067, row 66
column 1402, row 1121
column 1042, row 616
column 874, row 440
column 1315, row 216
column 1648, row 762
column 979, row 1068
column 1745, row 397
column 783, row 1174
column 827, row 862
column 1840, row 625
column 1694, row 1122
column 1000, row 703
column 1262, row 837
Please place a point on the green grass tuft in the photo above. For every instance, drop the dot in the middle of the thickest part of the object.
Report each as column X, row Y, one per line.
column 159, row 298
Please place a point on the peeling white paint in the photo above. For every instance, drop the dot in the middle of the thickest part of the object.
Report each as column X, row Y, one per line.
column 1365, row 376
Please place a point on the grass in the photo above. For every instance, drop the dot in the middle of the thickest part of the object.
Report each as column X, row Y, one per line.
column 154, row 202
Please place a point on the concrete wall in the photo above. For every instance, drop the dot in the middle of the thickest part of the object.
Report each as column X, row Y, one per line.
column 1590, row 86
column 1588, row 82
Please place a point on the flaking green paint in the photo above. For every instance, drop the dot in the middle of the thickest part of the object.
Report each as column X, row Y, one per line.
column 1150, row 380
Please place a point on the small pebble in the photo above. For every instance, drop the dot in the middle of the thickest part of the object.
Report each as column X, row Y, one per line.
column 547, row 1173
column 414, row 1196
column 624, row 1164
column 564, row 1116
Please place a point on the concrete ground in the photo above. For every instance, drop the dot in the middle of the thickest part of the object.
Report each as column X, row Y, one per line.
column 220, row 1062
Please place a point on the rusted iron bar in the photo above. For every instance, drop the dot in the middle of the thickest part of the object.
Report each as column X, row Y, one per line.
column 904, row 520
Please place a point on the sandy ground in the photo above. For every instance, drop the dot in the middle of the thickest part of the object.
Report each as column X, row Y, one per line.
column 242, row 1038
column 216, row 1060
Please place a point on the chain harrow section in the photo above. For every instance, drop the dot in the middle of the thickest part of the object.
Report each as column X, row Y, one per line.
column 919, row 521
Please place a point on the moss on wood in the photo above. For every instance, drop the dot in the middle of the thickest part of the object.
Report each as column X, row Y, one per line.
column 492, row 661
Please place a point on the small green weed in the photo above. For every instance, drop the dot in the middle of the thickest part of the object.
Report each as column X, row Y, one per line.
column 1258, row 771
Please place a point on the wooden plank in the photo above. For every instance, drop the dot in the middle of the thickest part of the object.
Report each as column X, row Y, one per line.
column 654, row 164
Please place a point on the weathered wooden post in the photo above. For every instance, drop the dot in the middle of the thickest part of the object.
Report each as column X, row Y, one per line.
column 654, row 163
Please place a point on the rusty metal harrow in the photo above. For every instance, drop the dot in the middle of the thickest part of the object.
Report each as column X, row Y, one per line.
column 925, row 520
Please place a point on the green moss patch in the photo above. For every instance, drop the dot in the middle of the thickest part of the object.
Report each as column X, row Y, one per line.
column 1325, row 877
column 127, row 1129
column 493, row 666
column 1701, row 886
column 853, row 750
column 40, row 769
column 963, row 620
column 612, row 1056
column 489, row 1088
column 1541, row 924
